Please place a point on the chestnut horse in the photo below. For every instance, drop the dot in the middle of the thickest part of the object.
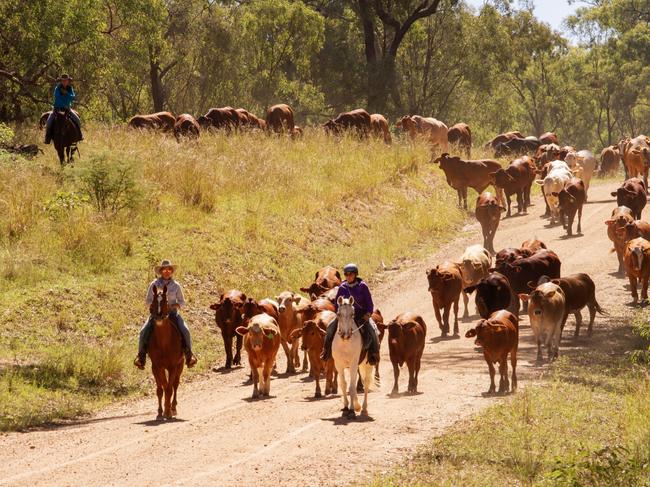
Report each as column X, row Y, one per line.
column 64, row 136
column 166, row 353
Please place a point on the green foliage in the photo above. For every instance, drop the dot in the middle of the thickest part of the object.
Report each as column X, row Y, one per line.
column 109, row 185
column 6, row 135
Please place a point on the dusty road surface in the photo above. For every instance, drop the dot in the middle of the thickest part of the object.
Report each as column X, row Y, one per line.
column 222, row 438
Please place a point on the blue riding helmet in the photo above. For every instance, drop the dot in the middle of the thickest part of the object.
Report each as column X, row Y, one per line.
column 351, row 268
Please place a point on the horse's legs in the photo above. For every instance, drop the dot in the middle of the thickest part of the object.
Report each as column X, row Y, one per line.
column 159, row 388
column 344, row 391
column 177, row 381
column 354, row 370
column 169, row 388
column 366, row 370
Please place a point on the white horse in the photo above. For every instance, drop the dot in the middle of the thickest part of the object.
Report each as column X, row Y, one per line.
column 346, row 351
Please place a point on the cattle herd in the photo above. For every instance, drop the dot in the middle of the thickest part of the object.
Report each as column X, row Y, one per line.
column 501, row 281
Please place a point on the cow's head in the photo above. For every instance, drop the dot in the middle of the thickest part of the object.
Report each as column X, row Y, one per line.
column 332, row 127
column 228, row 311
column 314, row 290
column 313, row 335
column 257, row 334
column 204, row 121
column 564, row 198
column 286, row 300
column 438, row 278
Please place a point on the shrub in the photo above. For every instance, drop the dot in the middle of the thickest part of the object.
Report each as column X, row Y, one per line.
column 6, row 135
column 110, row 186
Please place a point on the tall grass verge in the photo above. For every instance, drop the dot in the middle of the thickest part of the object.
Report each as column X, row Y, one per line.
column 248, row 211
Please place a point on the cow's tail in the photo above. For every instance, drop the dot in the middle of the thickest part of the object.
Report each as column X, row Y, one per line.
column 598, row 308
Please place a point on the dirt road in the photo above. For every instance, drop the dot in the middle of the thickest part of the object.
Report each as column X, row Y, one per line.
column 222, row 438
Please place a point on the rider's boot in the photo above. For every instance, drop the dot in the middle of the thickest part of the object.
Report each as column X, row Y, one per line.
column 140, row 360
column 326, row 354
column 190, row 359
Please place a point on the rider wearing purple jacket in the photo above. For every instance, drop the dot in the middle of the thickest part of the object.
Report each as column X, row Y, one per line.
column 353, row 286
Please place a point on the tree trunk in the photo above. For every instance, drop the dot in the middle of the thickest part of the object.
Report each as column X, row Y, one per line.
column 157, row 93
column 382, row 84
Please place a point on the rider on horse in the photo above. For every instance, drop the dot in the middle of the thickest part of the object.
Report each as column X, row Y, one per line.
column 64, row 95
column 355, row 287
column 175, row 299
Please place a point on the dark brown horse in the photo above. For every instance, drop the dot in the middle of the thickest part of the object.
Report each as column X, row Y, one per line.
column 65, row 136
column 166, row 353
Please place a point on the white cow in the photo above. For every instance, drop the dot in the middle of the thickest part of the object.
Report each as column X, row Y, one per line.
column 558, row 175
column 475, row 264
column 346, row 351
column 583, row 165
column 546, row 313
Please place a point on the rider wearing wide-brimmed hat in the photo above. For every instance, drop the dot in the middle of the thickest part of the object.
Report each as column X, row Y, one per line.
column 175, row 299
column 64, row 95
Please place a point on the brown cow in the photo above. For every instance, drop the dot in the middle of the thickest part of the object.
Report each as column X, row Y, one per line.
column 313, row 333
column 517, row 179
column 637, row 266
column 186, row 126
column 379, row 127
column 460, row 135
column 499, row 336
column 325, row 279
column 632, row 193
column 549, row 138
column 406, row 337
column 252, row 308
column 579, row 291
column 523, row 270
column 355, row 120
column 463, row 174
column 261, row 341
column 290, row 307
column 504, row 138
column 228, row 316
column 616, row 224
column 296, row 132
column 159, row 120
column 635, row 154
column 510, row 254
column 533, row 245
column 610, row 159
column 220, row 118
column 488, row 213
column 570, row 199
column 445, row 286
column 245, row 117
column 475, row 264
column 279, row 118
column 432, row 130
column 636, row 229
column 545, row 154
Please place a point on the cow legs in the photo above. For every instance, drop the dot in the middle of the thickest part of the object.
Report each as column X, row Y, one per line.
column 238, row 345
column 509, row 213
column 521, row 204
column 460, row 198
column 493, row 386
column 305, row 362
column 445, row 318
column 465, row 303
column 395, row 390
column 330, row 371
column 416, row 374
column 557, row 337
column 570, row 217
column 256, row 380
column 455, row 317
column 578, row 317
column 539, row 349
column 619, row 254
column 436, row 310
column 227, row 343
column 592, row 317
column 644, row 288
column 513, row 363
column 295, row 352
column 504, row 385
column 579, row 230
column 268, row 365
column 635, row 295
column 316, row 368
column 291, row 369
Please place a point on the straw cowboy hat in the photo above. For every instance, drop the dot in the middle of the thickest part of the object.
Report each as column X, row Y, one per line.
column 64, row 76
column 163, row 264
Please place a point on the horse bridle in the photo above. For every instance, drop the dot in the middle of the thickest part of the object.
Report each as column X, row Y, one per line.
column 159, row 316
column 354, row 328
